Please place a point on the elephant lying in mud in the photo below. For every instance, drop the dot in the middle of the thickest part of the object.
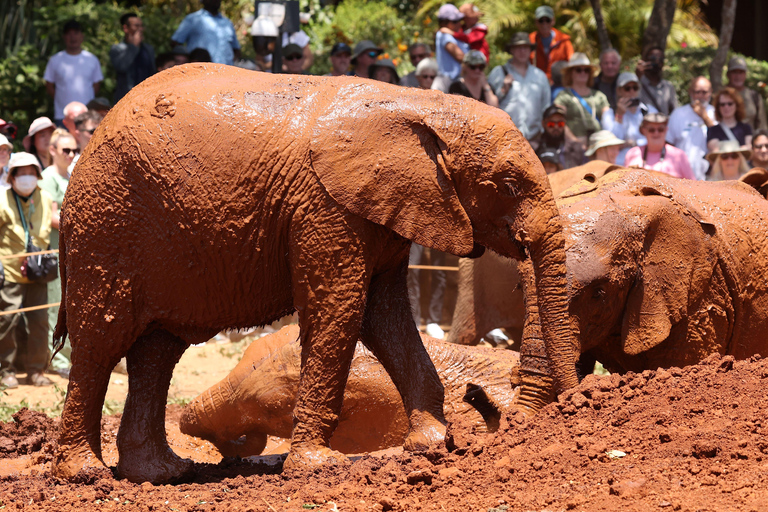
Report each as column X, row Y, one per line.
column 257, row 398
column 489, row 292
column 215, row 198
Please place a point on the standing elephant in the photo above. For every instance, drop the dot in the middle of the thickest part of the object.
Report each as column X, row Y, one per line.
column 662, row 271
column 257, row 397
column 207, row 186
column 489, row 292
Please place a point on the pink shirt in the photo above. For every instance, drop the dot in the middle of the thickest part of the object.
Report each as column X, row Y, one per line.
column 675, row 162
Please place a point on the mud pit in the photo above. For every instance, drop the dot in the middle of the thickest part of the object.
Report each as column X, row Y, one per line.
column 693, row 438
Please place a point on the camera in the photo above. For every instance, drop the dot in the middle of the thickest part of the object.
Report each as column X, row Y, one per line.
column 634, row 102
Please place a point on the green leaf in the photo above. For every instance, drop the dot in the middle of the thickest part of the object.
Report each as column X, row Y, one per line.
column 19, row 78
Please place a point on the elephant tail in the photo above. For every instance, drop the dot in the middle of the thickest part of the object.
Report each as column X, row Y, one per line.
column 60, row 334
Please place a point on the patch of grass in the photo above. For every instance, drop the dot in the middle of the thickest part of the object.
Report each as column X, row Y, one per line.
column 235, row 349
column 178, row 400
column 8, row 410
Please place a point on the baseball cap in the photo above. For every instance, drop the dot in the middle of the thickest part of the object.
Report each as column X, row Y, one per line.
column 365, row 46
column 341, row 48
column 99, row 103
column 552, row 110
column 449, row 12
column 474, row 58
column 544, row 11
column 292, row 49
column 737, row 63
column 626, row 78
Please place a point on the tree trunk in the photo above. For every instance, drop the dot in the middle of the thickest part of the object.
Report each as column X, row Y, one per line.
column 726, row 34
column 602, row 32
column 659, row 24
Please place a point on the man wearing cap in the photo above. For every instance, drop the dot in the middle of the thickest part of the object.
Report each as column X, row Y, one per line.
column 552, row 138
column 210, row 30
column 6, row 148
column 605, row 81
column 754, row 106
column 100, row 105
column 688, row 125
column 656, row 154
column 72, row 74
column 24, row 208
column 474, row 32
column 416, row 52
column 654, row 90
column 341, row 57
column 293, row 57
column 450, row 51
column 624, row 121
column 550, row 45
column 523, row 90
column 603, row 145
column 132, row 58
column 364, row 55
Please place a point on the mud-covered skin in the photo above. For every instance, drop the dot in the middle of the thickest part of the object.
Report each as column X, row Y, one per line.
column 213, row 198
column 257, row 398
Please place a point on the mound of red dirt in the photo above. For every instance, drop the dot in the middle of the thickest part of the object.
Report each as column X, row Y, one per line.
column 678, row 439
column 30, row 432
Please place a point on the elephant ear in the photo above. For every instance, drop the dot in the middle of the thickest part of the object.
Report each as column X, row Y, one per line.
column 676, row 261
column 757, row 178
column 378, row 156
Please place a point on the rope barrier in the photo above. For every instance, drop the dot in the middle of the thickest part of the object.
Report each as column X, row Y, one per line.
column 25, row 254
column 432, row 267
column 30, row 308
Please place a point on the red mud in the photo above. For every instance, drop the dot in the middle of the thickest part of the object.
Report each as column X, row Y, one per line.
column 693, row 438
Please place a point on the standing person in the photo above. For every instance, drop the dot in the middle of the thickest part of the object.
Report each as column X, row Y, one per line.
column 473, row 82
column 416, row 52
column 38, row 139
column 550, row 45
column 522, row 89
column 657, row 155
column 450, row 51
column 605, row 82
column 625, row 121
column 133, row 59
column 474, row 31
column 730, row 112
column 438, row 282
column 6, row 148
column 729, row 161
column 341, row 57
column 584, row 106
column 605, row 146
column 426, row 72
column 24, row 208
column 365, row 54
column 72, row 74
column 210, row 30
column 570, row 153
column 55, row 180
column 754, row 105
column 688, row 125
column 654, row 90
column 760, row 149
column 384, row 70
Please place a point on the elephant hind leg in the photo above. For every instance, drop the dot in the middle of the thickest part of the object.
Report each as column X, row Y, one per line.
column 252, row 443
column 141, row 440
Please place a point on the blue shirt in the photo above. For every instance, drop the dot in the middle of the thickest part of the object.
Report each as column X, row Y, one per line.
column 446, row 64
column 201, row 29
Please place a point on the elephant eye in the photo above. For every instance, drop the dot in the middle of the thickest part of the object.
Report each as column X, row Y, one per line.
column 509, row 188
column 598, row 293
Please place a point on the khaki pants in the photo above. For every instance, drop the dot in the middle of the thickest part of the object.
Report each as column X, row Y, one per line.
column 23, row 336
column 61, row 360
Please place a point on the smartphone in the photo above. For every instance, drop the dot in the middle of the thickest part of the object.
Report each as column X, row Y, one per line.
column 634, row 102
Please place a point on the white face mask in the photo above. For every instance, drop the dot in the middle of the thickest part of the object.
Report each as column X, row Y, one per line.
column 24, row 185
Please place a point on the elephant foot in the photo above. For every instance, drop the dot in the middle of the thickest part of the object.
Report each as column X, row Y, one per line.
column 426, row 432
column 245, row 446
column 304, row 457
column 78, row 465
column 166, row 468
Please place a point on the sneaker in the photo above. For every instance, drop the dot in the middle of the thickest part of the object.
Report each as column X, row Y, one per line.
column 9, row 381
column 38, row 379
column 435, row 331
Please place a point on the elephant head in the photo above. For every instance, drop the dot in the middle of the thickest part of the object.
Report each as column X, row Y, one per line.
column 467, row 185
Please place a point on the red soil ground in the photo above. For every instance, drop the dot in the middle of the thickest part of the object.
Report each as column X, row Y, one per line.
column 690, row 439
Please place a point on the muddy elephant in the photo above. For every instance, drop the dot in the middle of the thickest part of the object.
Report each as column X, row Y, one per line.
column 662, row 271
column 257, row 397
column 489, row 293
column 215, row 198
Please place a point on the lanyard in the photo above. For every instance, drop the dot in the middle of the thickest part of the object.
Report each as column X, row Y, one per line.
column 23, row 218
column 663, row 154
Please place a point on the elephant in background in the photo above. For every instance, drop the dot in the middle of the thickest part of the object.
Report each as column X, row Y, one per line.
column 207, row 186
column 489, row 293
column 662, row 271
column 257, row 397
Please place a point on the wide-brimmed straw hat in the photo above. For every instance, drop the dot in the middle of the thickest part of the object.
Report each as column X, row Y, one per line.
column 38, row 125
column 602, row 139
column 729, row 146
column 520, row 39
column 578, row 59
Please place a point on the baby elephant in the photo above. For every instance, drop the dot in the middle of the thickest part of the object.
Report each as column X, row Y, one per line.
column 258, row 396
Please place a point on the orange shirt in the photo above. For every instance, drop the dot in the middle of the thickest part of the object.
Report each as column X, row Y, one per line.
column 560, row 49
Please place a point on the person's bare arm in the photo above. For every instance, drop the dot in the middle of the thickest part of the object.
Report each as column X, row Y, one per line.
column 713, row 144
column 455, row 52
column 50, row 88
column 490, row 98
column 309, row 58
column 55, row 215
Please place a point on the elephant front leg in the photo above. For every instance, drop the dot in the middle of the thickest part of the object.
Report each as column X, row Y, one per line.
column 390, row 333
column 141, row 441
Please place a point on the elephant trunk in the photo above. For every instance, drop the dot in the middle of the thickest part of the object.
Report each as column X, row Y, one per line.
column 551, row 366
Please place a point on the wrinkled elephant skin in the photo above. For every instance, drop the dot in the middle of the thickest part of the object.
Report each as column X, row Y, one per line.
column 207, row 186
column 256, row 399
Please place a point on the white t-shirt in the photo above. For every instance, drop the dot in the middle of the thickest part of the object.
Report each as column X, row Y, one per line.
column 74, row 76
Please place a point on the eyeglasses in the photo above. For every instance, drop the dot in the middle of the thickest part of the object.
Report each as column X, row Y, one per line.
column 629, row 88
column 553, row 124
column 373, row 54
column 655, row 129
column 428, row 77
column 478, row 67
column 726, row 104
column 729, row 156
column 760, row 146
column 544, row 20
column 293, row 57
column 70, row 151
column 582, row 70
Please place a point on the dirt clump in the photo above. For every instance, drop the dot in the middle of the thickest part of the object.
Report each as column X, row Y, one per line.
column 29, row 432
column 685, row 439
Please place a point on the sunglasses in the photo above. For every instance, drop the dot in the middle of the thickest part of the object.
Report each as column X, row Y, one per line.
column 553, row 124
column 478, row 67
column 726, row 104
column 373, row 54
column 429, row 77
column 70, row 151
column 88, row 131
column 655, row 129
column 761, row 146
column 544, row 20
column 729, row 156
column 293, row 57
column 582, row 70
column 629, row 88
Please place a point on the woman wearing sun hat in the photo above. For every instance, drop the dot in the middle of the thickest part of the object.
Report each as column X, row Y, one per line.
column 584, row 105
column 38, row 139
column 605, row 146
column 729, row 161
